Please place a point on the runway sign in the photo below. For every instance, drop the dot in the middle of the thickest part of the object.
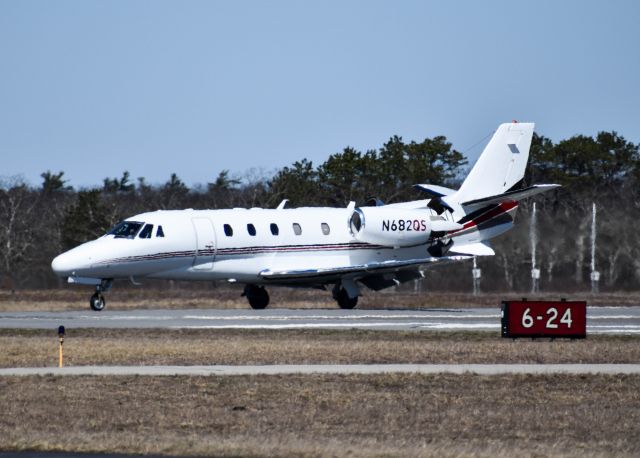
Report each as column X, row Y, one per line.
column 544, row 319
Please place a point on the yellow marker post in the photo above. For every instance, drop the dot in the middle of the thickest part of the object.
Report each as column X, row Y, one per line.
column 61, row 339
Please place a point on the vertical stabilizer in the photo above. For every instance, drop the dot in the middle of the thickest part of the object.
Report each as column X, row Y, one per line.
column 501, row 165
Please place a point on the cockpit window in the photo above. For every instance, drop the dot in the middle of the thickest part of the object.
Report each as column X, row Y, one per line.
column 160, row 232
column 146, row 232
column 125, row 229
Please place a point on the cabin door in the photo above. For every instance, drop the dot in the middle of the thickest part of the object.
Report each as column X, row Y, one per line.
column 205, row 244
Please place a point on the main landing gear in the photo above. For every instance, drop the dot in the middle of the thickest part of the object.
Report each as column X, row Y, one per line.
column 343, row 299
column 257, row 296
column 345, row 293
column 97, row 301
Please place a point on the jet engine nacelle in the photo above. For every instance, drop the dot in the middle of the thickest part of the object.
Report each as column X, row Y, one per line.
column 390, row 226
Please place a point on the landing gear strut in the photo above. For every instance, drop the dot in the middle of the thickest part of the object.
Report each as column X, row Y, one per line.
column 342, row 298
column 97, row 301
column 257, row 296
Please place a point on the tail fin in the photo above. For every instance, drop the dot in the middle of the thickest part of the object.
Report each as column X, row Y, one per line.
column 501, row 165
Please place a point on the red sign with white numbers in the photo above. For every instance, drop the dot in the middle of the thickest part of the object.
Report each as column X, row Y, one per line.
column 544, row 319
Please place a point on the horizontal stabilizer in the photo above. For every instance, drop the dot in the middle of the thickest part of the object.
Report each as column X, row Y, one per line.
column 433, row 190
column 473, row 249
column 508, row 196
column 437, row 195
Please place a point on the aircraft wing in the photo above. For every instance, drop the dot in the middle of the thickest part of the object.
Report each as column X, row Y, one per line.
column 473, row 249
column 329, row 274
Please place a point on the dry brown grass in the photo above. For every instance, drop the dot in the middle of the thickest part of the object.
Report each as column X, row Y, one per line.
column 317, row 415
column 228, row 297
column 382, row 415
column 25, row 348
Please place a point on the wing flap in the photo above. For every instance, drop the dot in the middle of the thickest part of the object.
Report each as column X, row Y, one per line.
column 329, row 273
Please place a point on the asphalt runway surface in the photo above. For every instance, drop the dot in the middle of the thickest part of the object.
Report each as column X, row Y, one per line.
column 600, row 320
column 343, row 369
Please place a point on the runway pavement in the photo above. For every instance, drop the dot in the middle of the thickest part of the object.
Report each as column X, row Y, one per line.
column 610, row 320
column 289, row 369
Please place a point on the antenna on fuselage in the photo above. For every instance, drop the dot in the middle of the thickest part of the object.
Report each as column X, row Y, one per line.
column 282, row 204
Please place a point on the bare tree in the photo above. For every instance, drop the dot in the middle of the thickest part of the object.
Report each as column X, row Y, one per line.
column 17, row 229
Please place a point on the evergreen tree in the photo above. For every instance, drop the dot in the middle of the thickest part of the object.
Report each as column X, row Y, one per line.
column 85, row 220
column 53, row 182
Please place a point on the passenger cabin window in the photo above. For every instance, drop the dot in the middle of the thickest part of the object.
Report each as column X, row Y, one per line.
column 274, row 229
column 251, row 229
column 228, row 231
column 297, row 229
column 125, row 229
column 160, row 232
column 325, row 228
column 146, row 232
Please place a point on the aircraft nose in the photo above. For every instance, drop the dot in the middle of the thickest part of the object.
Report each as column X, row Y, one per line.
column 63, row 265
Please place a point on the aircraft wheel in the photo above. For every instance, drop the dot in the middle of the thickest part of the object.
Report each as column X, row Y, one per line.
column 97, row 302
column 344, row 301
column 257, row 296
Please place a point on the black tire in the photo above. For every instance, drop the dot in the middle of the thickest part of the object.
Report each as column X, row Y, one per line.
column 344, row 301
column 97, row 302
column 257, row 296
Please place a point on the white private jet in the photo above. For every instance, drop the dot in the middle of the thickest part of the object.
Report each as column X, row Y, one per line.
column 375, row 246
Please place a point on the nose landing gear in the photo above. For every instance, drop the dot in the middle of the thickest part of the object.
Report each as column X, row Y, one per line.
column 97, row 301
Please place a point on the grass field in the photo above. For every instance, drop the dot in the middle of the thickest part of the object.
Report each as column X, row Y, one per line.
column 187, row 347
column 318, row 415
column 382, row 415
column 125, row 297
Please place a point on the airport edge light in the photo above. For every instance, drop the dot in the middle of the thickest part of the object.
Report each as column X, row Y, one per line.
column 544, row 319
column 61, row 332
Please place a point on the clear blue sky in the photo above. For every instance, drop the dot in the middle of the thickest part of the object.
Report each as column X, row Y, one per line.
column 94, row 88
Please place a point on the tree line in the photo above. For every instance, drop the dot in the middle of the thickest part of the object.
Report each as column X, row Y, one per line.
column 39, row 222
